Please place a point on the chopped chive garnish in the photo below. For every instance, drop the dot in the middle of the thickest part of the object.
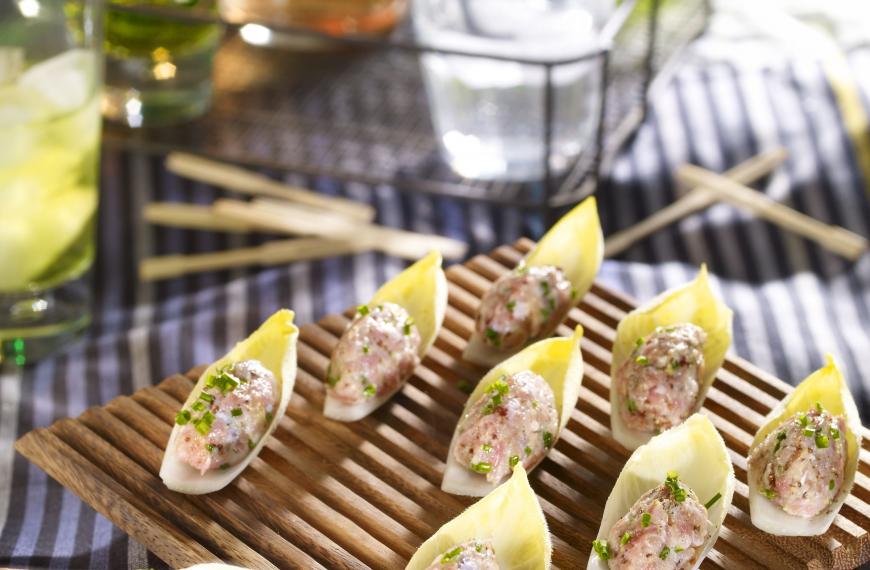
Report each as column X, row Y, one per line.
column 645, row 520
column 269, row 416
column 625, row 538
column 601, row 549
column 664, row 553
column 534, row 404
column 514, row 460
column 548, row 440
column 206, row 397
column 370, row 391
column 493, row 336
column 779, row 437
column 365, row 349
column 809, row 432
column 197, row 406
column 803, row 420
column 527, row 450
column 225, row 466
column 363, row 310
column 478, row 547
column 486, row 447
column 497, row 389
column 831, row 485
column 209, row 447
column 451, row 555
column 819, row 407
column 236, row 412
column 769, row 493
column 510, row 305
column 203, row 424
column 639, row 342
column 835, row 433
column 642, row 360
column 182, row 417
column 332, row 381
column 482, row 467
column 821, row 441
column 573, row 292
column 408, row 324
column 251, row 444
column 673, row 483
column 712, row 501
column 632, row 407
column 545, row 287
column 678, row 549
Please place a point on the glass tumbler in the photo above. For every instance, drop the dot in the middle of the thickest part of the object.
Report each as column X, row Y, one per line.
column 489, row 114
column 159, row 66
column 50, row 79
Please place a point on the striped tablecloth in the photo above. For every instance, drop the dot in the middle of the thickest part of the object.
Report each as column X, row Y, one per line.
column 793, row 301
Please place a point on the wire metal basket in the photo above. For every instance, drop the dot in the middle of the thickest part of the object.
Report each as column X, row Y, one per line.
column 359, row 112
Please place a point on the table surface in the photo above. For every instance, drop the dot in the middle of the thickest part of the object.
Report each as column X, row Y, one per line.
column 793, row 301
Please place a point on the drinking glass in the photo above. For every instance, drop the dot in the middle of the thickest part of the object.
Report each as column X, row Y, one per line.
column 158, row 67
column 50, row 78
column 489, row 115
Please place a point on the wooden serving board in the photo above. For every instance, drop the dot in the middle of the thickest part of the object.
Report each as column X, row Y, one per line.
column 324, row 494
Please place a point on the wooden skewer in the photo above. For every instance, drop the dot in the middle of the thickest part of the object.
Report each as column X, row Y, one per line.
column 291, row 219
column 695, row 200
column 247, row 182
column 191, row 216
column 270, row 253
column 835, row 238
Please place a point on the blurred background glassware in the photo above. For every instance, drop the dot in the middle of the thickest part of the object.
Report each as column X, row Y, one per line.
column 489, row 115
column 50, row 78
column 334, row 17
column 159, row 67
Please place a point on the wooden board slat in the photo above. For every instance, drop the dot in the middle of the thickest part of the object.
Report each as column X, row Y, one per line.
column 324, row 494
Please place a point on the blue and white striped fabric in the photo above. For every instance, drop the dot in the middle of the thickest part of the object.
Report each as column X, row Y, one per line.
column 793, row 301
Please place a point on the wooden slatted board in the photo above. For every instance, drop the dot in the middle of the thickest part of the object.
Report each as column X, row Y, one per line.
column 334, row 495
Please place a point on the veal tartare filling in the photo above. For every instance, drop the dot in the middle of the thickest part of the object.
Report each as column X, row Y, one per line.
column 470, row 555
column 523, row 305
column 514, row 421
column 801, row 465
column 229, row 416
column 658, row 384
column 665, row 529
column 375, row 355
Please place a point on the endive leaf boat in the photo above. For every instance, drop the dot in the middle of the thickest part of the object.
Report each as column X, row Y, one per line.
column 386, row 340
column 528, row 303
column 515, row 415
column 233, row 408
column 508, row 525
column 803, row 460
column 665, row 357
column 669, row 501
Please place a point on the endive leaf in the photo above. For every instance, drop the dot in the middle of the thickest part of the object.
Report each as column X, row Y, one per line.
column 695, row 450
column 421, row 289
column 693, row 303
column 575, row 244
column 827, row 387
column 274, row 346
column 559, row 362
column 510, row 516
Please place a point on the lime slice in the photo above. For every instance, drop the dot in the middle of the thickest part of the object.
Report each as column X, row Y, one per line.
column 510, row 516
column 34, row 235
